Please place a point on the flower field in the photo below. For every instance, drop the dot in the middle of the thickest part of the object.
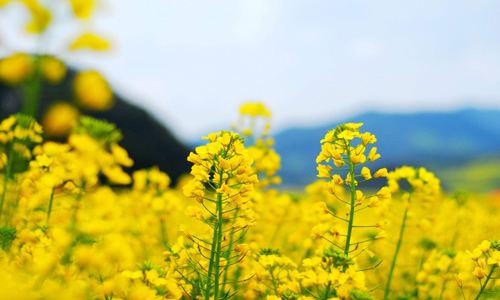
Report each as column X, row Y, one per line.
column 76, row 222
column 76, row 226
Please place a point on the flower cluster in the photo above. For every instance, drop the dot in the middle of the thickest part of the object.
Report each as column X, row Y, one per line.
column 223, row 181
column 346, row 150
column 254, row 123
column 419, row 180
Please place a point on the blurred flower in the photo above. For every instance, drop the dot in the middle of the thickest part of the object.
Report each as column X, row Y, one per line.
column 4, row 2
column 92, row 91
column 90, row 41
column 40, row 16
column 82, row 9
column 59, row 119
column 254, row 109
column 15, row 68
column 53, row 70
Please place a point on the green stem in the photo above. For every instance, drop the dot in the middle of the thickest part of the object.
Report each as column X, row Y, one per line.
column 327, row 290
column 227, row 253
column 163, row 233
column 485, row 282
column 352, row 187
column 351, row 213
column 275, row 282
column 396, row 251
column 219, row 245
column 32, row 88
column 443, row 286
column 211, row 263
column 237, row 271
column 51, row 201
column 76, row 206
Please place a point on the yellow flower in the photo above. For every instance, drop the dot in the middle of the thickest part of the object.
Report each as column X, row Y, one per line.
column 121, row 155
column 53, row 69
column 365, row 172
column 373, row 155
column 92, row 91
column 20, row 130
column 479, row 272
column 485, row 246
column 324, row 171
column 380, row 173
column 116, row 175
column 83, row 9
column 494, row 259
column 16, row 68
column 59, row 119
column 337, row 179
column 90, row 41
column 475, row 254
column 40, row 16
column 4, row 2
column 420, row 180
column 384, row 193
column 353, row 126
column 368, row 138
column 255, row 109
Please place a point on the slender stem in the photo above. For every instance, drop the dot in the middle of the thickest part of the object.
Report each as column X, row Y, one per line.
column 32, row 88
column 443, row 286
column 237, row 271
column 51, row 200
column 218, row 251
column 163, row 233
column 327, row 290
column 227, row 253
column 212, row 254
column 76, row 206
column 396, row 251
column 462, row 292
column 352, row 187
column 483, row 286
column 351, row 213
column 275, row 282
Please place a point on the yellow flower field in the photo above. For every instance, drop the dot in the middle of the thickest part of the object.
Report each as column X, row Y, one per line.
column 76, row 226
column 76, row 223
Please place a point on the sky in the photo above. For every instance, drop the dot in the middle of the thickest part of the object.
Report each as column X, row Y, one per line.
column 193, row 62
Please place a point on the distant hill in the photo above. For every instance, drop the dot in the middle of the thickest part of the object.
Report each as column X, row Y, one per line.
column 437, row 140
column 148, row 141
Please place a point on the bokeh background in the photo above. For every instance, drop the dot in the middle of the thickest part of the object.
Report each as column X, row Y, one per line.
column 424, row 76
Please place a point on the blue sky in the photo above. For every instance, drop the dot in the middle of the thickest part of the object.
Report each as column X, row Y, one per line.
column 193, row 62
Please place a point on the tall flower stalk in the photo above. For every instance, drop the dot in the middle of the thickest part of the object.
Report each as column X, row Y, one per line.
column 422, row 184
column 18, row 135
column 222, row 183
column 346, row 150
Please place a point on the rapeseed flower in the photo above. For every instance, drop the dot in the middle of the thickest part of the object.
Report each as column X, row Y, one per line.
column 92, row 91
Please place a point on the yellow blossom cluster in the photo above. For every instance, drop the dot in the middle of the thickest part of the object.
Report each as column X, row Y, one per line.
column 255, row 125
column 343, row 235
column 419, row 180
